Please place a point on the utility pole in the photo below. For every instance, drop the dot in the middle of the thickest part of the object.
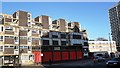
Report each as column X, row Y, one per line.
column 110, row 42
column 110, row 45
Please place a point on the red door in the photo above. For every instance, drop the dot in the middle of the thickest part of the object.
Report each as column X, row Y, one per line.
column 37, row 57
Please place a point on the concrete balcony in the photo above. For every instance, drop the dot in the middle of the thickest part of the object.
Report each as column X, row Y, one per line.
column 23, row 33
column 9, row 41
column 36, row 35
column 35, row 42
column 9, row 32
column 9, row 51
column 23, row 41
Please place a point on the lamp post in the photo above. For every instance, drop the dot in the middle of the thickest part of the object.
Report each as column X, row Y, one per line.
column 110, row 45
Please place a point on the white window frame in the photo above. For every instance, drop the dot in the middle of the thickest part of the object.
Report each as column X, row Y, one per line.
column 23, row 37
column 25, row 46
column 8, row 28
column 12, row 37
column 35, row 38
column 35, row 31
column 6, row 46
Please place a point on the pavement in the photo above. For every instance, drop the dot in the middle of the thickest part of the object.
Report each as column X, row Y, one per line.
column 71, row 63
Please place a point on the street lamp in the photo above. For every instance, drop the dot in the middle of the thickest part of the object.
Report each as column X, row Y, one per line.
column 110, row 45
column 110, row 42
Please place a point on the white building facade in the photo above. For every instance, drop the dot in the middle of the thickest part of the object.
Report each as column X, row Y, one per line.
column 99, row 46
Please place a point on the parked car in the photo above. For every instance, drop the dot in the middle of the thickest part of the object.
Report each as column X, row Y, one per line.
column 98, row 59
column 115, row 62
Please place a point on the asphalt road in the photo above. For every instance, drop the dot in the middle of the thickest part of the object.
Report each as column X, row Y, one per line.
column 74, row 64
column 90, row 65
column 87, row 66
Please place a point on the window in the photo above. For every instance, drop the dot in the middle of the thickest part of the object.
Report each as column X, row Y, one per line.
column 28, row 18
column 25, row 46
column 31, row 57
column 8, row 28
column 45, row 42
column 39, row 32
column 23, row 37
column 54, row 36
column 55, row 42
column 28, row 22
column 63, row 42
column 28, row 15
column 6, row 46
column 11, row 46
column 9, row 37
column 25, row 57
column 54, row 22
column 21, row 46
column 34, row 31
column 1, row 38
column 69, row 24
column 35, row 38
column 76, row 36
column 63, row 36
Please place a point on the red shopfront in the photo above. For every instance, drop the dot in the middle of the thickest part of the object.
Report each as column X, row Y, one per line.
column 37, row 56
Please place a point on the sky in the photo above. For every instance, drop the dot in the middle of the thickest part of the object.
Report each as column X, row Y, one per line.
column 93, row 16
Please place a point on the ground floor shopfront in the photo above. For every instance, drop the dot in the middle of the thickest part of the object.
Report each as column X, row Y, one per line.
column 15, row 60
column 58, row 54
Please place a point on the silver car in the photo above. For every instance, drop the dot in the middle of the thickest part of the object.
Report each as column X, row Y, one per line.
column 98, row 59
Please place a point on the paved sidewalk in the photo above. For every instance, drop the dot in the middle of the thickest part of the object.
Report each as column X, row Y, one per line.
column 72, row 63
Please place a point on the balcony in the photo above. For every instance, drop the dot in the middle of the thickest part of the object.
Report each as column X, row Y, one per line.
column 9, row 32
column 9, row 41
column 9, row 51
column 36, row 48
column 23, row 41
column 10, row 21
column 23, row 33
column 35, row 34
column 35, row 42
column 23, row 50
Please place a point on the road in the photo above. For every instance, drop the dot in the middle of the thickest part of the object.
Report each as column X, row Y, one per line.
column 79, row 64
column 73, row 64
column 96, row 65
